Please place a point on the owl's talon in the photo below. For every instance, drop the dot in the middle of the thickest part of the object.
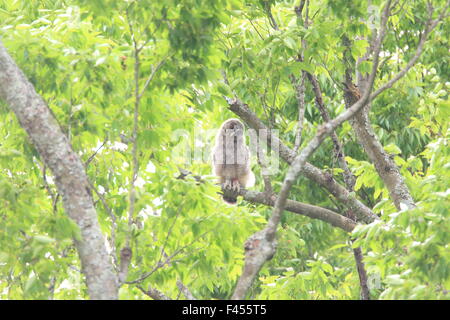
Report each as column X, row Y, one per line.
column 227, row 185
column 231, row 159
column 235, row 186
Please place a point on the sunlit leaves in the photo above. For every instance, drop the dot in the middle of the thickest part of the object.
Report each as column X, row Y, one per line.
column 79, row 56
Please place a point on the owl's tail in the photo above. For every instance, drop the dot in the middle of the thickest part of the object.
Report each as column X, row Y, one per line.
column 230, row 200
column 229, row 197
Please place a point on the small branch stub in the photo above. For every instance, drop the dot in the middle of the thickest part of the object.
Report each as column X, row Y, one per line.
column 258, row 249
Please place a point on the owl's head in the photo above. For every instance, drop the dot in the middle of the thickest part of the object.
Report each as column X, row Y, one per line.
column 233, row 126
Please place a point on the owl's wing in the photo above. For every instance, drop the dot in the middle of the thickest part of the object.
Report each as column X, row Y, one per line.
column 217, row 161
column 245, row 174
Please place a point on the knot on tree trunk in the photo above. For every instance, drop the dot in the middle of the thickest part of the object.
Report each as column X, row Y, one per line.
column 259, row 245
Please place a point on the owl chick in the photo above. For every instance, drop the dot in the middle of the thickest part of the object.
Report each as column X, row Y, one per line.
column 231, row 160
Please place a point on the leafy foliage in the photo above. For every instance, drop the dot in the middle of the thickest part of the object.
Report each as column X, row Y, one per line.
column 80, row 57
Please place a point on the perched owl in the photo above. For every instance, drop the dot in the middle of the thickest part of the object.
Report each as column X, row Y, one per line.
column 231, row 160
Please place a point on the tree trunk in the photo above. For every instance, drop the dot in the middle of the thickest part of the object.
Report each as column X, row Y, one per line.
column 70, row 178
column 384, row 164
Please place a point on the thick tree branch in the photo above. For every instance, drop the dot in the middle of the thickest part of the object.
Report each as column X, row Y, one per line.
column 311, row 172
column 261, row 246
column 365, row 292
column 323, row 131
column 185, row 290
column 70, row 177
column 348, row 176
column 308, row 210
column 110, row 212
column 349, row 179
column 153, row 293
column 384, row 164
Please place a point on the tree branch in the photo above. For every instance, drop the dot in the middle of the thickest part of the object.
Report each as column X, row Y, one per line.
column 125, row 259
column 349, row 179
column 151, row 76
column 88, row 161
column 161, row 263
column 113, row 223
column 272, row 20
column 430, row 25
column 308, row 210
column 299, row 86
column 323, row 131
column 365, row 292
column 304, row 209
column 70, row 177
column 185, row 290
column 385, row 166
column 155, row 294
column 261, row 246
column 311, row 172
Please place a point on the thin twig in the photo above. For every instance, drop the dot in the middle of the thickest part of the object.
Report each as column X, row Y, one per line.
column 168, row 260
column 429, row 26
column 272, row 21
column 299, row 86
column 257, row 31
column 135, row 163
column 152, row 75
column 88, row 161
column 349, row 179
column 169, row 232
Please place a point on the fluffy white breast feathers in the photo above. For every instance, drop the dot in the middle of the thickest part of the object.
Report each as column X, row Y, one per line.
column 231, row 160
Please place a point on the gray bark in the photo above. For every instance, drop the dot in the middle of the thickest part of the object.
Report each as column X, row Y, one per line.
column 384, row 164
column 70, row 177
column 308, row 210
column 309, row 171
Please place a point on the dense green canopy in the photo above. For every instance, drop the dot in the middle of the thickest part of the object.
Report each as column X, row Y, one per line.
column 138, row 87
